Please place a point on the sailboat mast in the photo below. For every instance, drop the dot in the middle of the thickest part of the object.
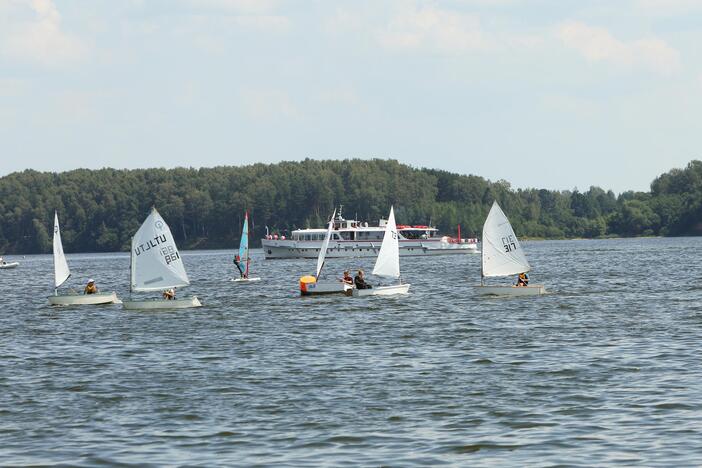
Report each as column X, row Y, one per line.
column 248, row 238
column 131, row 255
column 482, row 254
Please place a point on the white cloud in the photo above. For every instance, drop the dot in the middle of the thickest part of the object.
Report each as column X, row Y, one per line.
column 434, row 30
column 598, row 45
column 39, row 39
column 668, row 7
column 11, row 87
column 270, row 23
column 268, row 104
column 237, row 6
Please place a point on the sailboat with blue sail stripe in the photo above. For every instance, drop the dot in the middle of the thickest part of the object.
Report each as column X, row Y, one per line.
column 243, row 259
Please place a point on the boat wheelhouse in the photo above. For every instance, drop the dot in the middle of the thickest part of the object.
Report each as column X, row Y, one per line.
column 352, row 238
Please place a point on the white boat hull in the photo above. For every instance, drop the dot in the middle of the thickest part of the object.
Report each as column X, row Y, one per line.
column 161, row 304
column 513, row 291
column 245, row 280
column 84, row 299
column 275, row 249
column 382, row 290
column 9, row 266
column 318, row 289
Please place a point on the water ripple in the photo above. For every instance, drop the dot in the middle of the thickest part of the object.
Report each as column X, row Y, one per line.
column 604, row 370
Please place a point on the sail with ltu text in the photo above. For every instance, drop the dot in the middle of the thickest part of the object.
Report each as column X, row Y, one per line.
column 502, row 254
column 388, row 262
column 155, row 261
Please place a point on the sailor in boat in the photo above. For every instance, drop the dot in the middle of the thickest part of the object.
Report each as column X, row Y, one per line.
column 90, row 288
column 169, row 294
column 523, row 280
column 237, row 262
column 347, row 278
column 360, row 281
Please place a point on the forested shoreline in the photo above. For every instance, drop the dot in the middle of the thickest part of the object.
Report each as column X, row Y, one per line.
column 100, row 210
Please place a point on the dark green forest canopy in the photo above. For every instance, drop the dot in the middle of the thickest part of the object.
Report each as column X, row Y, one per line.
column 100, row 210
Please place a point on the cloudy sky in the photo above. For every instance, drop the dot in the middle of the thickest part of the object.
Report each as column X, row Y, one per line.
column 542, row 93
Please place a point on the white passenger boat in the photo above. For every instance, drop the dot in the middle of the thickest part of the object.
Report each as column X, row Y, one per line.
column 310, row 285
column 156, row 265
column 8, row 265
column 351, row 238
column 387, row 264
column 503, row 256
column 62, row 273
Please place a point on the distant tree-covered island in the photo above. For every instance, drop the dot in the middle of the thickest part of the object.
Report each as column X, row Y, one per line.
column 100, row 210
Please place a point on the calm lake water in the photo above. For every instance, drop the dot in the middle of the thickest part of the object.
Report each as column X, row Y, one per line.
column 605, row 370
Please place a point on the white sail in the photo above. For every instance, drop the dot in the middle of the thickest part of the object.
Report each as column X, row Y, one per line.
column 61, row 271
column 156, row 262
column 388, row 262
column 325, row 244
column 502, row 254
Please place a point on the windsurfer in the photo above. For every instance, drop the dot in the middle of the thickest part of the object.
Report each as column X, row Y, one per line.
column 237, row 262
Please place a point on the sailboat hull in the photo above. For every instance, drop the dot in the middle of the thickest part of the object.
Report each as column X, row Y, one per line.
column 162, row 304
column 245, row 280
column 382, row 290
column 9, row 266
column 319, row 289
column 513, row 291
column 85, row 299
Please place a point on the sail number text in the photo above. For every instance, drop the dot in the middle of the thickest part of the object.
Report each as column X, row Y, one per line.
column 168, row 252
column 509, row 243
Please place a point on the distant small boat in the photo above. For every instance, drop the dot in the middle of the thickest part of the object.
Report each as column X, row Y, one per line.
column 387, row 264
column 503, row 256
column 156, row 265
column 244, row 254
column 62, row 273
column 8, row 265
column 310, row 285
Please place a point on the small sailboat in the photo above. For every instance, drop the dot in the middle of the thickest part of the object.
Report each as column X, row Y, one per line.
column 503, row 256
column 7, row 265
column 387, row 264
column 244, row 254
column 156, row 266
column 310, row 285
column 62, row 273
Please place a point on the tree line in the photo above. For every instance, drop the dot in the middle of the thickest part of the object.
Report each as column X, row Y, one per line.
column 99, row 210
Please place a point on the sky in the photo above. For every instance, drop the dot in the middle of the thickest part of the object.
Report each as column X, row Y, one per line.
column 556, row 94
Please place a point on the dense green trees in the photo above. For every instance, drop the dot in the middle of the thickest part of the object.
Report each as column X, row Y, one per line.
column 99, row 210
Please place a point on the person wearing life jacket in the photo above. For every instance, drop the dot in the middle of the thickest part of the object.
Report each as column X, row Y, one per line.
column 523, row 280
column 169, row 294
column 237, row 262
column 360, row 281
column 347, row 278
column 90, row 288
